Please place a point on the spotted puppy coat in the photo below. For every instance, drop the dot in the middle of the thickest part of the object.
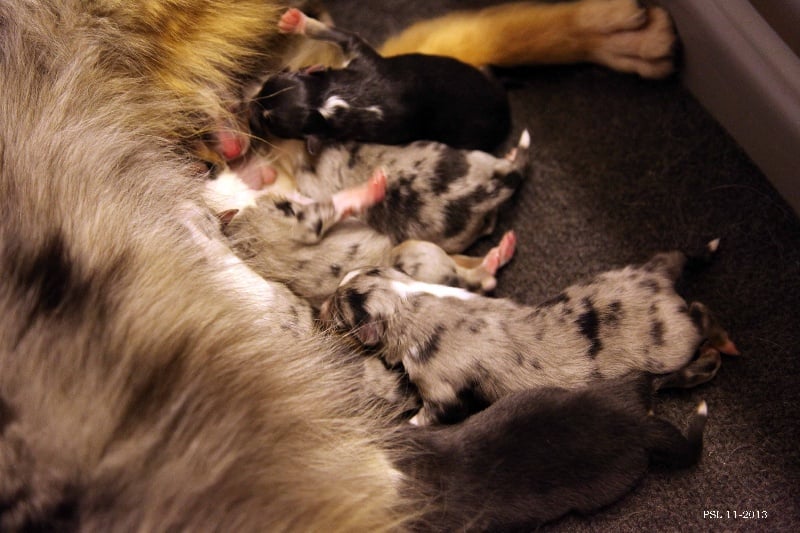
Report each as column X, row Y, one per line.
column 435, row 192
column 464, row 351
column 437, row 201
column 310, row 245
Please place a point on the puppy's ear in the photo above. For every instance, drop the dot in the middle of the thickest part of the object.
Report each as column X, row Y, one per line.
column 226, row 216
column 313, row 144
column 371, row 332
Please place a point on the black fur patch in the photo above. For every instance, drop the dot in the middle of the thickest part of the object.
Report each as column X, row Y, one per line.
column 61, row 515
column 589, row 325
column 48, row 279
column 657, row 332
column 510, row 180
column 318, row 227
column 403, row 202
column 356, row 303
column 452, row 164
column 459, row 212
column 284, row 207
column 429, row 348
column 699, row 318
column 336, row 270
column 469, row 400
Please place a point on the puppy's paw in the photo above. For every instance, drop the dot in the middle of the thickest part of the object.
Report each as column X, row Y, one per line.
column 292, row 21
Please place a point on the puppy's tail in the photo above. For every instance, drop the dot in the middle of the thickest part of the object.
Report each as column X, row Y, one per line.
column 669, row 447
column 512, row 174
column 702, row 257
column 519, row 155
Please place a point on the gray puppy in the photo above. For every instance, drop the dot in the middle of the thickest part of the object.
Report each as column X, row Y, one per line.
column 464, row 351
column 298, row 244
column 435, row 193
column 309, row 240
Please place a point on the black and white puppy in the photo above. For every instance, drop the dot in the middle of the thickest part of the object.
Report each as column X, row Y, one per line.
column 392, row 100
column 464, row 351
column 584, row 449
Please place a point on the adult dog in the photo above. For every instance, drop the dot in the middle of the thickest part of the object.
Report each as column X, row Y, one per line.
column 148, row 380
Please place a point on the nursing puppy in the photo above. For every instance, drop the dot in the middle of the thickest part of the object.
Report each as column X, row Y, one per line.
column 300, row 245
column 374, row 99
column 149, row 380
column 435, row 192
column 463, row 352
column 436, row 199
column 585, row 448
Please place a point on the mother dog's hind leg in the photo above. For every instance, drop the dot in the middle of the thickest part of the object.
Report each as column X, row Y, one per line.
column 619, row 34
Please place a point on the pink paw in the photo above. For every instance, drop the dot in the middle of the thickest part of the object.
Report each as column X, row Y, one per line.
column 292, row 21
column 254, row 173
column 376, row 188
column 501, row 254
column 356, row 199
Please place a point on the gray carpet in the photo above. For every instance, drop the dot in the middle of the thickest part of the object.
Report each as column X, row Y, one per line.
column 622, row 168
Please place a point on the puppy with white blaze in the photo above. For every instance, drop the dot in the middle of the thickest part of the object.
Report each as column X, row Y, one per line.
column 375, row 99
column 149, row 379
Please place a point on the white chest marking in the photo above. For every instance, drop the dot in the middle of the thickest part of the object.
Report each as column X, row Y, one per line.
column 440, row 291
column 331, row 105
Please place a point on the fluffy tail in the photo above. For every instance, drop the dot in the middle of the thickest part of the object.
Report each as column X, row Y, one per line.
column 669, row 447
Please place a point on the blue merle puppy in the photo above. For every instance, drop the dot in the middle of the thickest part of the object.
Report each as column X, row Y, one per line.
column 464, row 351
column 309, row 245
column 434, row 193
column 393, row 100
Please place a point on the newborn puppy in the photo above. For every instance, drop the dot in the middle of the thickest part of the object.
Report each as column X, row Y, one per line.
column 584, row 449
column 310, row 245
column 464, row 351
column 392, row 100
column 435, row 193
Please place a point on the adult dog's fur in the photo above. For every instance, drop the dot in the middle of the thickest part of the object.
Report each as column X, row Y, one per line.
column 620, row 34
column 149, row 380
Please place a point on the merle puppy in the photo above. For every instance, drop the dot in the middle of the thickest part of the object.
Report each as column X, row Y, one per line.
column 464, row 351
column 435, row 192
column 585, row 448
column 310, row 249
column 392, row 100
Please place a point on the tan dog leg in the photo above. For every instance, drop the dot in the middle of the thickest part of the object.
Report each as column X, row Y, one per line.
column 619, row 34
